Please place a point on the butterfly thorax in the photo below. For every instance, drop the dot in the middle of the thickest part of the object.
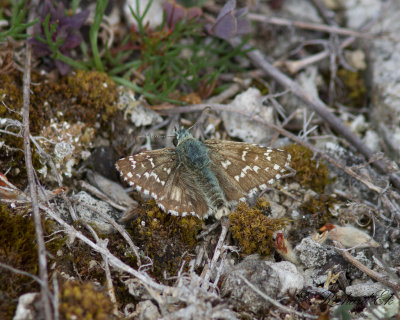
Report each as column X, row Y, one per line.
column 194, row 155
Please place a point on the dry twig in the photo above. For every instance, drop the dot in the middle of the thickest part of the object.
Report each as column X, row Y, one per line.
column 276, row 303
column 384, row 279
column 33, row 187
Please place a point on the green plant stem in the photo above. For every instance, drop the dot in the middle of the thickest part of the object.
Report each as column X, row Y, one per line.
column 94, row 30
column 140, row 90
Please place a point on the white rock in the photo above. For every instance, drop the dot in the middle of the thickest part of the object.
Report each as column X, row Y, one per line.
column 372, row 140
column 246, row 129
column 358, row 12
column 364, row 289
column 134, row 109
column 153, row 17
column 24, row 308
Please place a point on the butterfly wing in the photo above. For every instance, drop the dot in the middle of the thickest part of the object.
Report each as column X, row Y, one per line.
column 157, row 173
column 244, row 169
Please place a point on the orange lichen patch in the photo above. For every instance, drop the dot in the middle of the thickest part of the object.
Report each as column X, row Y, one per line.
column 253, row 230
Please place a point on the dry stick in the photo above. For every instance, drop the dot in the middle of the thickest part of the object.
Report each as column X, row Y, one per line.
column 24, row 273
column 276, row 303
column 33, row 187
column 316, row 105
column 119, row 228
column 217, row 251
column 308, row 26
column 384, row 279
column 114, row 261
column 222, row 107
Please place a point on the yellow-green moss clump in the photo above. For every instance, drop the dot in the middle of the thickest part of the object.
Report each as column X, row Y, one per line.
column 319, row 207
column 84, row 302
column 95, row 91
column 17, row 249
column 166, row 239
column 354, row 90
column 309, row 173
column 254, row 230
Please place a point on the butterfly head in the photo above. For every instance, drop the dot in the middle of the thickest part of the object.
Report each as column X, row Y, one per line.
column 181, row 135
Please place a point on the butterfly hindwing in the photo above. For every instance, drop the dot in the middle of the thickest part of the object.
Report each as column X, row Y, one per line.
column 245, row 169
column 157, row 173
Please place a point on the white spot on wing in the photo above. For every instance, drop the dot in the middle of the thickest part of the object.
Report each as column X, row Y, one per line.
column 244, row 155
column 253, row 191
column 263, row 186
column 276, row 166
column 226, row 164
column 151, row 162
column 256, row 168
column 176, row 193
column 271, row 181
column 129, row 174
column 237, row 178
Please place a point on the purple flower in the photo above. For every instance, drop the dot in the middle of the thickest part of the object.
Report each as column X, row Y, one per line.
column 229, row 22
column 66, row 31
column 174, row 13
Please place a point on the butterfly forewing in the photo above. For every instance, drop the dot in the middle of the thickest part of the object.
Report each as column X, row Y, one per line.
column 157, row 173
column 246, row 169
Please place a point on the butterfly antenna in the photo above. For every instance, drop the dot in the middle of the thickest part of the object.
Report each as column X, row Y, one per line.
column 201, row 119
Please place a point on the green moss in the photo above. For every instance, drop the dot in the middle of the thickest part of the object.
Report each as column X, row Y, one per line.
column 17, row 249
column 354, row 88
column 319, row 207
column 254, row 230
column 83, row 301
column 94, row 91
column 166, row 239
column 309, row 173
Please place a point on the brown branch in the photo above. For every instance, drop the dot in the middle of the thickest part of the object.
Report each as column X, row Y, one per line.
column 316, row 105
column 308, row 26
column 120, row 229
column 276, row 303
column 33, row 187
column 384, row 279
column 217, row 251
column 113, row 260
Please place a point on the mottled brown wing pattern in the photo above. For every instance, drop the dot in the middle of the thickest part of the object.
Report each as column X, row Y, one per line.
column 243, row 169
column 156, row 173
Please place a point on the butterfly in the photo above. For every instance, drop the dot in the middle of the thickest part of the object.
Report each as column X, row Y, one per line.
column 203, row 178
